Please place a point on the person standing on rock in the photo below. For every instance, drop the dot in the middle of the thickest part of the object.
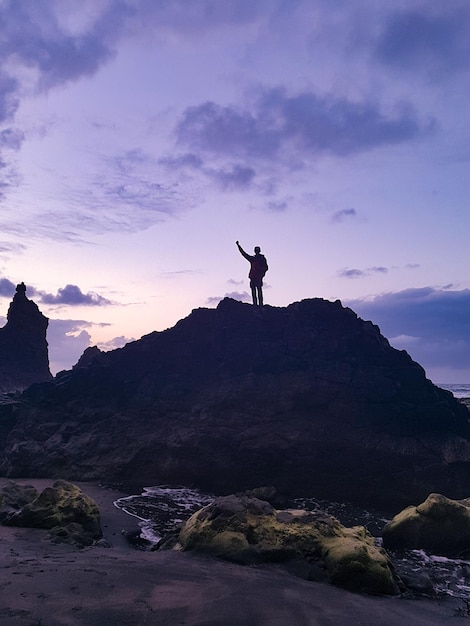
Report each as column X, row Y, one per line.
column 258, row 268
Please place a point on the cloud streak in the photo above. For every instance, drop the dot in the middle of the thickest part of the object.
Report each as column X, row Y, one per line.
column 125, row 195
column 316, row 125
column 340, row 216
column 357, row 273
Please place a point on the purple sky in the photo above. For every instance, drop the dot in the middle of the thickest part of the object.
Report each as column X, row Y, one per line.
column 140, row 138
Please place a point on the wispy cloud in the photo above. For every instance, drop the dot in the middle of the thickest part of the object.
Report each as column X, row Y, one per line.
column 127, row 195
column 277, row 206
column 177, row 273
column 11, row 138
column 277, row 124
column 351, row 272
column 357, row 273
column 123, row 194
column 234, row 176
column 340, row 216
column 180, row 161
column 9, row 97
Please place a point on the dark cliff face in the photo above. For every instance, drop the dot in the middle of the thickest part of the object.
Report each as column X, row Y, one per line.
column 24, row 356
column 309, row 398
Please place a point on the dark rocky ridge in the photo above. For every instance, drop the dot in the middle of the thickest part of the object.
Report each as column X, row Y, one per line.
column 309, row 398
column 24, row 356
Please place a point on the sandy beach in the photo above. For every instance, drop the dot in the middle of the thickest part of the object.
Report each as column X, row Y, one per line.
column 44, row 584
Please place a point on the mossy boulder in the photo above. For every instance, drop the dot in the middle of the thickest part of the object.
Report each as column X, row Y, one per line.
column 354, row 562
column 62, row 506
column 248, row 530
column 14, row 496
column 439, row 525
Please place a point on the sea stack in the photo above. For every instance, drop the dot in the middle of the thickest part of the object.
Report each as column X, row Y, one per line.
column 24, row 358
column 309, row 399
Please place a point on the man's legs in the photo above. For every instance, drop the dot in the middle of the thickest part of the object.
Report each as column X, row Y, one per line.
column 257, row 292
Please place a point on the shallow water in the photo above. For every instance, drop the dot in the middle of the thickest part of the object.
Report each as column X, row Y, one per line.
column 162, row 509
column 449, row 577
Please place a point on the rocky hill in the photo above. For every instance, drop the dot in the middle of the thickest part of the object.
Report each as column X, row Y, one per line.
column 309, row 398
column 24, row 356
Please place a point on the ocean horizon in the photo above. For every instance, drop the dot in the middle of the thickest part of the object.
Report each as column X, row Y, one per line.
column 459, row 390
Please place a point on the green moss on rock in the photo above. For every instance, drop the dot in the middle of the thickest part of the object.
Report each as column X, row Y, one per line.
column 439, row 525
column 245, row 529
column 59, row 507
column 355, row 563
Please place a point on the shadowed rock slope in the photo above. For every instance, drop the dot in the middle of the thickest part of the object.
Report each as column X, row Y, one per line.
column 24, row 356
column 309, row 398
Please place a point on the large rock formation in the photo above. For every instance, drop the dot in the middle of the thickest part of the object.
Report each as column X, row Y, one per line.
column 308, row 398
column 24, row 356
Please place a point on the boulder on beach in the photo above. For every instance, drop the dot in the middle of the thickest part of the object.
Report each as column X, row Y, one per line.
column 13, row 497
column 247, row 530
column 439, row 525
column 70, row 515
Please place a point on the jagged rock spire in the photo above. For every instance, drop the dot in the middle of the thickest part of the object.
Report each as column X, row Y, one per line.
column 24, row 358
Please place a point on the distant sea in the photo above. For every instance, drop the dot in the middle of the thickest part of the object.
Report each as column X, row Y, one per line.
column 460, row 390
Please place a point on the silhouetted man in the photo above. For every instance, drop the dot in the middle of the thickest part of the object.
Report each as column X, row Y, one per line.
column 258, row 268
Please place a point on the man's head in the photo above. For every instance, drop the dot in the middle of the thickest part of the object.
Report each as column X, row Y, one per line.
column 257, row 249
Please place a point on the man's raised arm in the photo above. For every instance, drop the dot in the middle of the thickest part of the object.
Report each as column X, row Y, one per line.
column 242, row 252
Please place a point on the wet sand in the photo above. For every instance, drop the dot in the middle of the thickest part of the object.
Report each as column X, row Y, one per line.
column 43, row 584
